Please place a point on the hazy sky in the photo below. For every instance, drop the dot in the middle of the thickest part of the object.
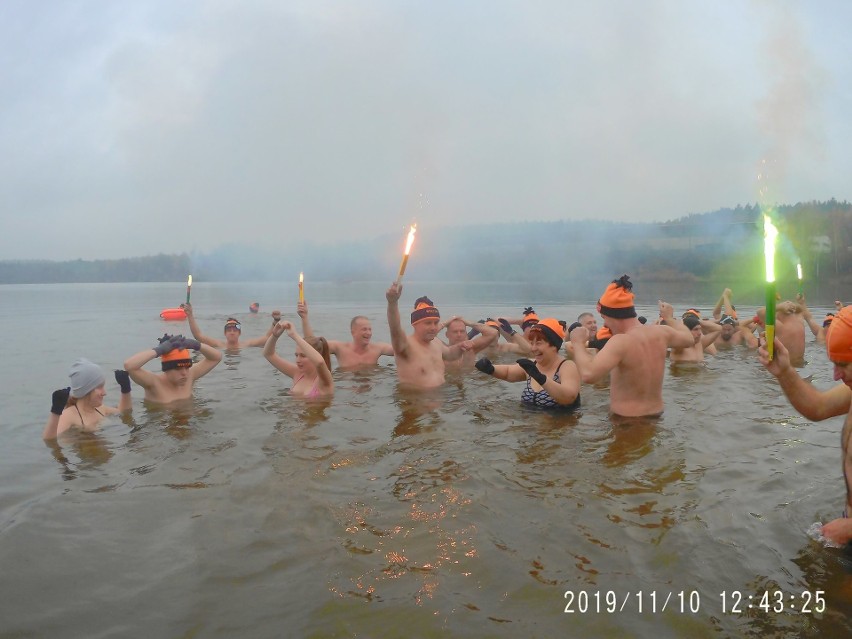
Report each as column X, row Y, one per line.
column 139, row 127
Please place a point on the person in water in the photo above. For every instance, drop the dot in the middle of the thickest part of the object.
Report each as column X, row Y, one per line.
column 81, row 405
column 361, row 351
column 485, row 334
column 789, row 329
column 420, row 357
column 551, row 380
column 818, row 405
column 233, row 331
column 311, row 374
column 694, row 353
column 819, row 330
column 635, row 355
column 178, row 375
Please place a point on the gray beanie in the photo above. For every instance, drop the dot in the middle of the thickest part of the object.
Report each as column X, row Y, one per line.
column 85, row 377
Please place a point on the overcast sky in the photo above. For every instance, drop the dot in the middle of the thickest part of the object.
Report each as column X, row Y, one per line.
column 139, row 127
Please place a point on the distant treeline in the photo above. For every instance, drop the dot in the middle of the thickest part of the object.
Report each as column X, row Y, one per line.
column 720, row 246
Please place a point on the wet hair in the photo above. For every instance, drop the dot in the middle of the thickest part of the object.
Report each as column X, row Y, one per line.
column 355, row 319
column 690, row 321
column 320, row 345
column 582, row 315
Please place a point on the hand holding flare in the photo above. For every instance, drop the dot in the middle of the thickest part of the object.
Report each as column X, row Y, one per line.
column 188, row 287
column 301, row 288
column 769, row 235
column 799, row 275
column 408, row 244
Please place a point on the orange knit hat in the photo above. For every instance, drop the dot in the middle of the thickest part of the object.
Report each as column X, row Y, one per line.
column 839, row 338
column 530, row 318
column 552, row 331
column 177, row 358
column 617, row 300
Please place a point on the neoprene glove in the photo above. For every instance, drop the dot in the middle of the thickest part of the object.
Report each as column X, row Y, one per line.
column 59, row 400
column 532, row 370
column 504, row 324
column 123, row 379
column 484, row 364
column 166, row 345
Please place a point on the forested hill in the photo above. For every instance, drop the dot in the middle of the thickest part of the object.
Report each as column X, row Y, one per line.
column 723, row 245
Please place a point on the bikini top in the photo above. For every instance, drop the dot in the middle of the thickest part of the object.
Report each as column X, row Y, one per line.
column 542, row 399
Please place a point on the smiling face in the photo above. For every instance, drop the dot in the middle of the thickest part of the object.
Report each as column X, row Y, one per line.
column 542, row 350
column 362, row 331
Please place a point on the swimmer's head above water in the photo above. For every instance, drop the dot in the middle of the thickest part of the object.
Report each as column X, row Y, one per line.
column 617, row 300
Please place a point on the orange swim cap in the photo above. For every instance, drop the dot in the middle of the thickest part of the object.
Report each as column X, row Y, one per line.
column 839, row 339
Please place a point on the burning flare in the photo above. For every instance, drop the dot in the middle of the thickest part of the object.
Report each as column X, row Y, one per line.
column 770, row 233
column 408, row 244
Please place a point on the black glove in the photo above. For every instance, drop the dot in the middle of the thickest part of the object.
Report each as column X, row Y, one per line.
column 484, row 364
column 532, row 370
column 166, row 345
column 504, row 324
column 59, row 400
column 123, row 379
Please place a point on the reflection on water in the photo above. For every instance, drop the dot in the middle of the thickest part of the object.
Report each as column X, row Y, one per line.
column 383, row 512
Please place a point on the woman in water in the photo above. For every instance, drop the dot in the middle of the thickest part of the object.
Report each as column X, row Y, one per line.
column 81, row 405
column 312, row 371
column 551, row 380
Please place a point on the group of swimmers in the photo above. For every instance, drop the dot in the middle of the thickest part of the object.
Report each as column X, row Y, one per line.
column 628, row 349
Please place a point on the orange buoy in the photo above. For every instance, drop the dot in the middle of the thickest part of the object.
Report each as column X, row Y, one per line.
column 173, row 314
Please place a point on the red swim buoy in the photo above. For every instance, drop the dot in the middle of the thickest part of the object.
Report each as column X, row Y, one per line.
column 173, row 314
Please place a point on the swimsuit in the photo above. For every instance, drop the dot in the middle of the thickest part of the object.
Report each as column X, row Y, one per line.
column 80, row 415
column 542, row 399
column 314, row 392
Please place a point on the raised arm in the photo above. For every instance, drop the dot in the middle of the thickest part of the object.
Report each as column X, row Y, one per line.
column 302, row 310
column 133, row 364
column 212, row 357
column 196, row 330
column 516, row 342
column 593, row 369
column 58, row 401
column 399, row 341
column 814, row 404
column 288, row 368
column 312, row 354
column 488, row 335
column 677, row 334
column 261, row 341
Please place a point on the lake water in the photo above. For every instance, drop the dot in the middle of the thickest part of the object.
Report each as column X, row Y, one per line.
column 383, row 514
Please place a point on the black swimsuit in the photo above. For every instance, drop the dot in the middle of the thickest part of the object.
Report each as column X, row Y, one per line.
column 542, row 399
column 80, row 415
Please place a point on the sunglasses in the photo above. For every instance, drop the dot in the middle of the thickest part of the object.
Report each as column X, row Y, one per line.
column 235, row 325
